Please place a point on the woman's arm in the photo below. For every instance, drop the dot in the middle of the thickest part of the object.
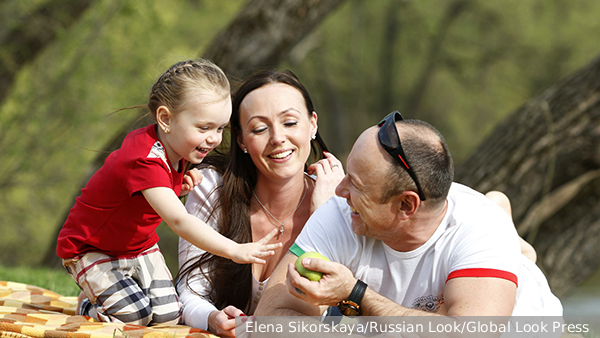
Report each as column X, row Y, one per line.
column 199, row 311
column 193, row 285
column 329, row 172
column 196, row 307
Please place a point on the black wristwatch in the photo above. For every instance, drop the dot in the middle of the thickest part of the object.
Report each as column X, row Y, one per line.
column 351, row 306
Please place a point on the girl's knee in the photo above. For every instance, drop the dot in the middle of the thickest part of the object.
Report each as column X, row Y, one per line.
column 147, row 316
column 168, row 319
column 141, row 316
column 134, row 308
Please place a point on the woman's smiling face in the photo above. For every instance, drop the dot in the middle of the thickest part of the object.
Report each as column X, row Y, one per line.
column 276, row 129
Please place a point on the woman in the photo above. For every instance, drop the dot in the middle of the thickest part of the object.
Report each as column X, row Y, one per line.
column 263, row 183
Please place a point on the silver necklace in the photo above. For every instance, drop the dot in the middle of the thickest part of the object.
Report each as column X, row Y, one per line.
column 275, row 218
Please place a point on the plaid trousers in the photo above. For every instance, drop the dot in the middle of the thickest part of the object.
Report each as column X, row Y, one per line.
column 134, row 290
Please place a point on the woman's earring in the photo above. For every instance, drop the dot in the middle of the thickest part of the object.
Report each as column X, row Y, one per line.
column 167, row 130
column 245, row 151
column 314, row 136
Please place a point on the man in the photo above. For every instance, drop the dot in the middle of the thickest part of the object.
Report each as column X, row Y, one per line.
column 404, row 240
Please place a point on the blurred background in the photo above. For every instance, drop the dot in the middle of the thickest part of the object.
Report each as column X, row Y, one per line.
column 462, row 65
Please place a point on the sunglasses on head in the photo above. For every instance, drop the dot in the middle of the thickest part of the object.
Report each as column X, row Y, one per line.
column 390, row 141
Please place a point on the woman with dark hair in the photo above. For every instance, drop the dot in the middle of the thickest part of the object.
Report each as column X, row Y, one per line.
column 264, row 182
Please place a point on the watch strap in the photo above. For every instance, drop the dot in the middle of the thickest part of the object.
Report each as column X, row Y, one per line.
column 358, row 292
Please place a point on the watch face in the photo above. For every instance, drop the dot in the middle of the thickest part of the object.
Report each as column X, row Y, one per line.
column 348, row 309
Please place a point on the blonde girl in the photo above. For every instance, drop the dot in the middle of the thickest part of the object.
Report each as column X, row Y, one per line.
column 109, row 244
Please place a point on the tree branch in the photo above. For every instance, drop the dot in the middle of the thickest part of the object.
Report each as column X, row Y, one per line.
column 545, row 157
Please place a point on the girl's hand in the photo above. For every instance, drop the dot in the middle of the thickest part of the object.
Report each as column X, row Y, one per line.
column 191, row 179
column 222, row 323
column 254, row 252
column 330, row 173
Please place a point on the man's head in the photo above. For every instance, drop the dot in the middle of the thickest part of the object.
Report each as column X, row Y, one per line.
column 379, row 188
column 426, row 151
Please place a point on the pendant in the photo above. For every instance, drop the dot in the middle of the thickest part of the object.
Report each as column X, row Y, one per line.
column 281, row 231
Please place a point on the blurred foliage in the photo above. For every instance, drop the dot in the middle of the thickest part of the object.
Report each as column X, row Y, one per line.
column 494, row 56
column 59, row 111
column 471, row 62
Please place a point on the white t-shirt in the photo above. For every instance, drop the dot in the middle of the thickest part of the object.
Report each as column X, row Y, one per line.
column 475, row 239
column 200, row 203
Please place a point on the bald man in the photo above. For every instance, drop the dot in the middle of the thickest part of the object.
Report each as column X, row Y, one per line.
column 404, row 240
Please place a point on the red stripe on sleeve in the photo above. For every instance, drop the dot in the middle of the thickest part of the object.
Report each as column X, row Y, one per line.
column 484, row 273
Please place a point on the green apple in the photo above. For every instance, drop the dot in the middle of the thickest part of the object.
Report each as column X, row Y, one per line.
column 314, row 276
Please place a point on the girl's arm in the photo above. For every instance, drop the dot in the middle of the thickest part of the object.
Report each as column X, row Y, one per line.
column 166, row 204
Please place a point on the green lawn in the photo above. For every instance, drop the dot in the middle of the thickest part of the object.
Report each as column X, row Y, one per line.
column 56, row 280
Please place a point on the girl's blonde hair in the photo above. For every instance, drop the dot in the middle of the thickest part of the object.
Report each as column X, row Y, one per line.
column 174, row 86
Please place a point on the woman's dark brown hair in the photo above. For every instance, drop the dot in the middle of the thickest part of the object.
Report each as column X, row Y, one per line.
column 231, row 283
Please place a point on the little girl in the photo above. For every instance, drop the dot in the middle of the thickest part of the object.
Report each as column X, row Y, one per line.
column 109, row 244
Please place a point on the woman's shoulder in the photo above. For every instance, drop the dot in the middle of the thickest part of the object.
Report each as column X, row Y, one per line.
column 210, row 176
column 211, row 179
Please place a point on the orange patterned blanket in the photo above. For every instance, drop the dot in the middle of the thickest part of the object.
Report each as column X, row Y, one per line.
column 28, row 311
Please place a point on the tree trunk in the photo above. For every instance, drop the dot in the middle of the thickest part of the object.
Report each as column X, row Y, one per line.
column 265, row 31
column 388, row 62
column 337, row 133
column 260, row 36
column 415, row 98
column 23, row 41
column 546, row 158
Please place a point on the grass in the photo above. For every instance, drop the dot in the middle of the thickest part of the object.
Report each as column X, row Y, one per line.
column 56, row 280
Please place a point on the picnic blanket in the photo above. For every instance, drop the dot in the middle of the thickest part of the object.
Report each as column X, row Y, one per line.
column 28, row 311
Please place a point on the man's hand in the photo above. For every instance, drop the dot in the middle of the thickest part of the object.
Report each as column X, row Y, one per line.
column 336, row 285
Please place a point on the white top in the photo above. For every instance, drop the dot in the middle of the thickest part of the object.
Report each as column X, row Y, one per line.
column 475, row 239
column 200, row 203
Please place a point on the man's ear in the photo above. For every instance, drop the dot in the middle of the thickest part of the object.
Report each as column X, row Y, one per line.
column 163, row 118
column 406, row 204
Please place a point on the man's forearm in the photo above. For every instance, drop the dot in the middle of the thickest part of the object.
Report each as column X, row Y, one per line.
column 277, row 312
column 374, row 304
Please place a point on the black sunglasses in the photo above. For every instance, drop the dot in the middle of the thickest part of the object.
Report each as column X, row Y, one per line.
column 390, row 141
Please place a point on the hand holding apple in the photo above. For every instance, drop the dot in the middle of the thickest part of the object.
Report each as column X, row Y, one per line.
column 314, row 276
column 328, row 291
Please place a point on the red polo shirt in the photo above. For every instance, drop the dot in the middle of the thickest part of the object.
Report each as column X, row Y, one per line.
column 111, row 215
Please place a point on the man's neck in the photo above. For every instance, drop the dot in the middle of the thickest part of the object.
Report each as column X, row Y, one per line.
column 418, row 229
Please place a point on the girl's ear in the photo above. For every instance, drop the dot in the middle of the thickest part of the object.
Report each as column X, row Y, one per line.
column 313, row 123
column 163, row 118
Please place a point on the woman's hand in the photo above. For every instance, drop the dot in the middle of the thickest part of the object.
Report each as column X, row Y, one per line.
column 254, row 252
column 330, row 173
column 191, row 179
column 222, row 323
